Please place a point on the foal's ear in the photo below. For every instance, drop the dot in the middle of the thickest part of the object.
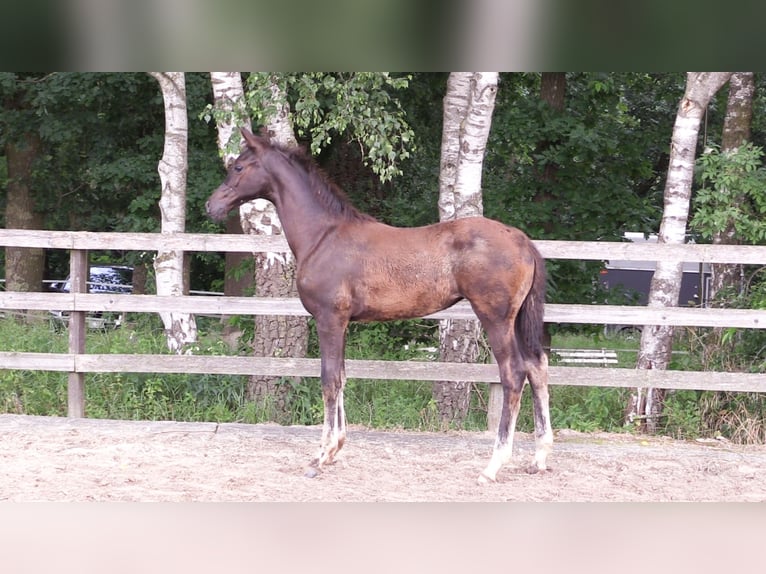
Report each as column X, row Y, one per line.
column 256, row 143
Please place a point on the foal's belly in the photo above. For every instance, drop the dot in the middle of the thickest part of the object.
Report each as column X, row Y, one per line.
column 383, row 310
column 391, row 298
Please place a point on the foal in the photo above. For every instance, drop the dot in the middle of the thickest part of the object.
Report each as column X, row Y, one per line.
column 351, row 267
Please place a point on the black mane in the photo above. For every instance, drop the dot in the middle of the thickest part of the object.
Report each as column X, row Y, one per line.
column 332, row 197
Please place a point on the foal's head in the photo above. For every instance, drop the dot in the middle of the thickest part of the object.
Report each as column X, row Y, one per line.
column 246, row 179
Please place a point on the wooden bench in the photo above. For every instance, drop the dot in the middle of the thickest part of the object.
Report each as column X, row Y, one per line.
column 586, row 356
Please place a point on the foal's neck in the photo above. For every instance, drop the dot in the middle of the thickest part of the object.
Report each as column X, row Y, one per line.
column 305, row 218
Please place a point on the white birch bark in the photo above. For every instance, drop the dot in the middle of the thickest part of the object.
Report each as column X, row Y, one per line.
column 180, row 328
column 468, row 106
column 275, row 277
column 473, row 143
column 229, row 96
column 274, row 272
column 456, row 102
column 231, row 113
column 260, row 216
column 656, row 341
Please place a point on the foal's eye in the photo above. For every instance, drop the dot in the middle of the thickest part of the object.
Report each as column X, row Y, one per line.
column 238, row 168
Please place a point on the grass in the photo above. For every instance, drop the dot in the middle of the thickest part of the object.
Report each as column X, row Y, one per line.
column 377, row 404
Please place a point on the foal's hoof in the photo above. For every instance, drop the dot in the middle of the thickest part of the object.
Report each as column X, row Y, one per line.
column 311, row 472
column 313, row 469
column 484, row 479
column 534, row 469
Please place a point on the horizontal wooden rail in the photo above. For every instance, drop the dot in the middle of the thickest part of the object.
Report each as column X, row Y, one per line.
column 203, row 242
column 209, row 242
column 206, row 305
column 382, row 370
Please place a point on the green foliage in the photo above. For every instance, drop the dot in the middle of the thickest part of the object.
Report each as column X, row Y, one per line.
column 102, row 137
column 393, row 340
column 731, row 349
column 740, row 417
column 733, row 194
column 682, row 415
column 355, row 105
column 585, row 409
column 589, row 172
column 606, row 149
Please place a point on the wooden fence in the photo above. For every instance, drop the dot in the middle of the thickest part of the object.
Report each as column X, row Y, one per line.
column 77, row 363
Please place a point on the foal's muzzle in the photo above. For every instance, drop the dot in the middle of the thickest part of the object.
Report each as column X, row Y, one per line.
column 220, row 203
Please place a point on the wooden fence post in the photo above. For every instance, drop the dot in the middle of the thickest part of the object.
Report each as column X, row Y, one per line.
column 494, row 407
column 494, row 402
column 78, row 282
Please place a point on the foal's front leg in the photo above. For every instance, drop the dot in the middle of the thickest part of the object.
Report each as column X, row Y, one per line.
column 332, row 348
column 334, row 427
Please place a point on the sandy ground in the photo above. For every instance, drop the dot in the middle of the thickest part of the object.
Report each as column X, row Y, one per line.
column 58, row 459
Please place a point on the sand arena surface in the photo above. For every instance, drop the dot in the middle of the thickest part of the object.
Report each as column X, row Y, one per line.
column 59, row 459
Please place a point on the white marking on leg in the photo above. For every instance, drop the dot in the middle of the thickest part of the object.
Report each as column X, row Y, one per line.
column 501, row 453
column 341, row 426
column 328, row 445
column 543, row 430
column 543, row 447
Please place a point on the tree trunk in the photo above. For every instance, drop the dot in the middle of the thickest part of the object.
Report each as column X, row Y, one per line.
column 468, row 106
column 275, row 336
column 229, row 97
column 553, row 89
column 180, row 328
column 736, row 131
column 552, row 92
column 23, row 265
column 275, row 277
column 656, row 341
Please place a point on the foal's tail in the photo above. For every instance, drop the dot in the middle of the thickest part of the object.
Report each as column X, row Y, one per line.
column 529, row 322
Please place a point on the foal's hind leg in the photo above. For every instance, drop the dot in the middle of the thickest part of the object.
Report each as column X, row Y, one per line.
column 512, row 375
column 537, row 373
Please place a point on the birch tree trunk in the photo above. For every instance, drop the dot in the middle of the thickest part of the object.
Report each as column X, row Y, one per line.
column 736, row 131
column 468, row 106
column 229, row 98
column 656, row 341
column 169, row 266
column 275, row 336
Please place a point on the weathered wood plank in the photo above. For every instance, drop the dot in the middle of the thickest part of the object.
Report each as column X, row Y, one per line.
column 608, row 250
column 381, row 370
column 58, row 362
column 431, row 371
column 205, row 305
column 642, row 315
column 206, row 242
column 680, row 380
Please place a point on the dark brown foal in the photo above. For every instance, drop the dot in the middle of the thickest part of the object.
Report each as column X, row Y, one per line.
column 351, row 267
